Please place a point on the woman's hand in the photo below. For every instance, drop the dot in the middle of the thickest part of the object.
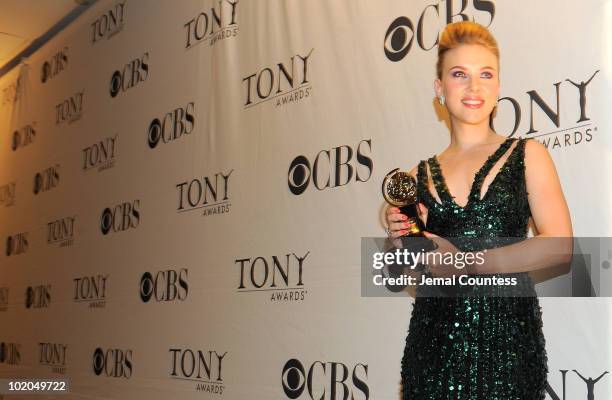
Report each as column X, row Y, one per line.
column 398, row 225
column 444, row 247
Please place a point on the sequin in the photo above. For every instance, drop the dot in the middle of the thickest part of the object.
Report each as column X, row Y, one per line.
column 477, row 348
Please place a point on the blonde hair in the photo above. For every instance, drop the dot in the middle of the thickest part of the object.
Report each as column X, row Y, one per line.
column 464, row 32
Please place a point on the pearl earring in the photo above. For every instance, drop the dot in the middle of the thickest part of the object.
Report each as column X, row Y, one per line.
column 441, row 99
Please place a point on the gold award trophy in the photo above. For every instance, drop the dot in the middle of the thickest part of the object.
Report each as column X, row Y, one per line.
column 399, row 189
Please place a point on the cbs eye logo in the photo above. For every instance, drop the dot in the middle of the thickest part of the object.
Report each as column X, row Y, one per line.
column 29, row 300
column 9, row 245
column 16, row 140
column 45, row 72
column 98, row 361
column 155, row 133
column 106, row 221
column 293, row 378
column 38, row 182
column 397, row 44
column 115, row 84
column 299, row 175
column 146, row 287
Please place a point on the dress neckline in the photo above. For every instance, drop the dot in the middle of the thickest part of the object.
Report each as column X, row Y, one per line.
column 440, row 181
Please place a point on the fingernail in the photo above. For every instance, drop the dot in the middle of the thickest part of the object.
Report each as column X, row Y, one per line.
column 404, row 217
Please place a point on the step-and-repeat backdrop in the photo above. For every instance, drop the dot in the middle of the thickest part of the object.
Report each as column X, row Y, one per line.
column 184, row 187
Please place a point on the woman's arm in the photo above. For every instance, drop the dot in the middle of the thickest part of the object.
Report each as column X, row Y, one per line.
column 553, row 245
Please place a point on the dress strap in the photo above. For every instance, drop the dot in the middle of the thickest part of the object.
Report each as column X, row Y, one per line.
column 486, row 168
column 422, row 181
column 421, row 172
column 520, row 150
column 438, row 180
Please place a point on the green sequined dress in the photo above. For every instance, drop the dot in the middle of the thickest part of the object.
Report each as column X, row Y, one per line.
column 477, row 347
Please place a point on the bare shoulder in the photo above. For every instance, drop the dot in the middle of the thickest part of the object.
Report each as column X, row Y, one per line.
column 533, row 148
column 537, row 157
column 547, row 202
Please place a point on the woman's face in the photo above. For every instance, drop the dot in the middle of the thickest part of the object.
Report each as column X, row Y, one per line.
column 470, row 83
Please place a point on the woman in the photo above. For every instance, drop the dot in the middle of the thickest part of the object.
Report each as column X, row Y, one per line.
column 483, row 185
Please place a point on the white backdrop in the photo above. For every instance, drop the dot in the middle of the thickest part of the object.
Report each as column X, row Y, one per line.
column 137, row 248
